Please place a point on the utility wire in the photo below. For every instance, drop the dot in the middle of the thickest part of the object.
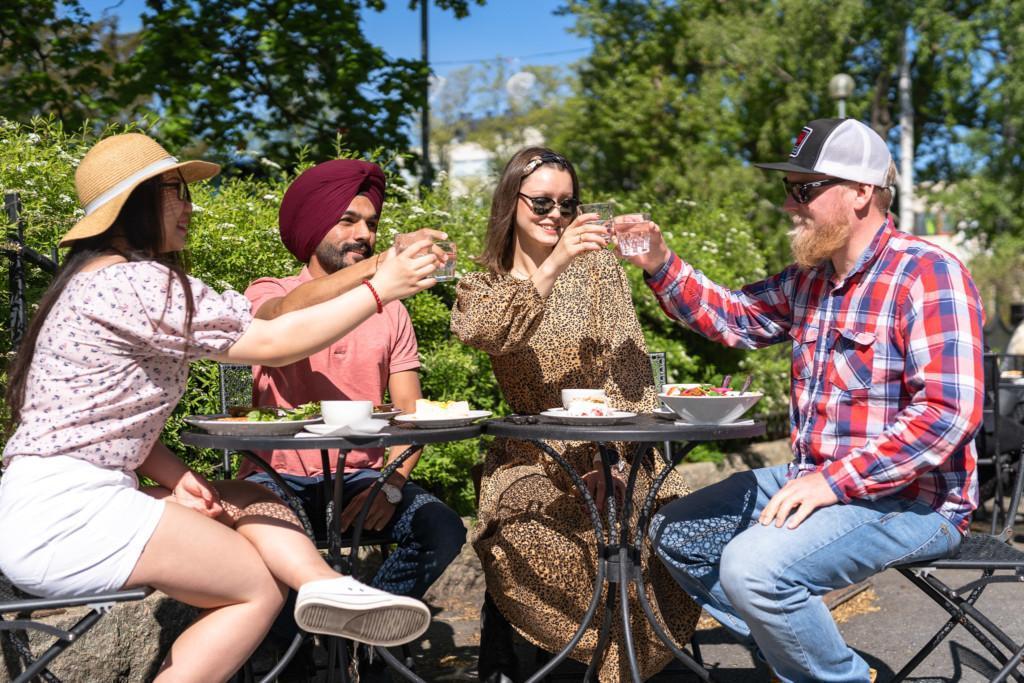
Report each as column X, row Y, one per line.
column 509, row 58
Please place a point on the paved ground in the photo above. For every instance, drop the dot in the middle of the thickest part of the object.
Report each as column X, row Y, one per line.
column 887, row 624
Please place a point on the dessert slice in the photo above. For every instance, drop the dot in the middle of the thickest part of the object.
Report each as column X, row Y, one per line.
column 427, row 409
column 590, row 406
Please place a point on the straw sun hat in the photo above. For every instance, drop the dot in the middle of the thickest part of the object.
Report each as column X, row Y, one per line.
column 113, row 168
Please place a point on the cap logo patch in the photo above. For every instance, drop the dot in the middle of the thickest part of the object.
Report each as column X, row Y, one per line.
column 800, row 140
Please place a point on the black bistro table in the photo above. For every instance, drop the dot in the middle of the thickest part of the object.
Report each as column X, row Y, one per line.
column 391, row 435
column 619, row 555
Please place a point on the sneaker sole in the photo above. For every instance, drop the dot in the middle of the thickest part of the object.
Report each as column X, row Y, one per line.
column 386, row 626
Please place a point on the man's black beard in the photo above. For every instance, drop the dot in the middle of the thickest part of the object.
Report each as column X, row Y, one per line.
column 332, row 258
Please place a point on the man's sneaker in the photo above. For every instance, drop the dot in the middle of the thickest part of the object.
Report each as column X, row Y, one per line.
column 346, row 608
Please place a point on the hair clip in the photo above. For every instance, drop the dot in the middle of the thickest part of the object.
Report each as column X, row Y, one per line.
column 545, row 158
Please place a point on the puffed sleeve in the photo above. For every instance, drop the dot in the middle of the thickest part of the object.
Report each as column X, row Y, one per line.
column 496, row 313
column 145, row 305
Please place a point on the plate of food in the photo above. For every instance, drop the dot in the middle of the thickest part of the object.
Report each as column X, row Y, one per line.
column 385, row 411
column 441, row 414
column 262, row 421
column 591, row 419
column 706, row 404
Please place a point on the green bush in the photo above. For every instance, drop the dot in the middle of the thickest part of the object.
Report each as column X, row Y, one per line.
column 234, row 239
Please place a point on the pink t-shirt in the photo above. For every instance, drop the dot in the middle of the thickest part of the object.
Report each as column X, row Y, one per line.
column 111, row 362
column 356, row 368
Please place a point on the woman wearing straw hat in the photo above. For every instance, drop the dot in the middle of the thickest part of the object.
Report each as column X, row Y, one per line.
column 102, row 366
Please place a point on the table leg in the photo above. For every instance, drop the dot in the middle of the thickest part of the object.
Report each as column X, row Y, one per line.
column 637, row 576
column 629, row 566
column 595, row 519
column 357, row 532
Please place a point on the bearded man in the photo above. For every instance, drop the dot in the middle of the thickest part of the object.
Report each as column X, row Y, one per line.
column 886, row 396
column 328, row 221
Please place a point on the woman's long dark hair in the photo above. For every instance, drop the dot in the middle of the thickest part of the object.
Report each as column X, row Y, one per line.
column 497, row 254
column 136, row 234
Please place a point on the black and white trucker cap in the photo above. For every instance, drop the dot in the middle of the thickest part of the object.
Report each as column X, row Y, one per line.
column 841, row 148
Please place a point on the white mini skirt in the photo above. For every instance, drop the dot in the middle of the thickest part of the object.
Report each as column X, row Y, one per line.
column 69, row 527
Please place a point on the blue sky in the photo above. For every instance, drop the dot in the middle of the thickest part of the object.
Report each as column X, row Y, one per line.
column 524, row 29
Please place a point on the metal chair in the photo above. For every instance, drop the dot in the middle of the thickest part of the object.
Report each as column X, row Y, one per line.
column 18, row 618
column 999, row 562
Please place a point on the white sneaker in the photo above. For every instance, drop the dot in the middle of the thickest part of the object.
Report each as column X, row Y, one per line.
column 347, row 608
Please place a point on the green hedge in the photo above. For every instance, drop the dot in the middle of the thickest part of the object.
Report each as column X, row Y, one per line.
column 234, row 239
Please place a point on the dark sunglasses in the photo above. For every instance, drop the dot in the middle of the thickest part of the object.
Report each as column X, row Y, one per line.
column 542, row 206
column 182, row 187
column 801, row 192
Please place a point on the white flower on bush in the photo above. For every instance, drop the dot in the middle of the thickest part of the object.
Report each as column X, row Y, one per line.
column 66, row 199
column 270, row 197
column 33, row 138
column 417, row 210
column 270, row 164
column 197, row 209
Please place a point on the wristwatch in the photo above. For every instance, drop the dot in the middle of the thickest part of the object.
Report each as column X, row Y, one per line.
column 392, row 493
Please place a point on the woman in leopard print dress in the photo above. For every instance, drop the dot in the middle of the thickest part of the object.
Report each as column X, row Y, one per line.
column 554, row 311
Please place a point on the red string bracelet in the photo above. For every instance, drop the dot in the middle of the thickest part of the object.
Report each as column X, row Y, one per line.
column 376, row 297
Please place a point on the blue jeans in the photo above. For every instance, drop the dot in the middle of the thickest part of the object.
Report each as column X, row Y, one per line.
column 765, row 583
column 428, row 534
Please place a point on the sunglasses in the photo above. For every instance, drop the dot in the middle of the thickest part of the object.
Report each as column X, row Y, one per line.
column 801, row 192
column 542, row 206
column 182, row 190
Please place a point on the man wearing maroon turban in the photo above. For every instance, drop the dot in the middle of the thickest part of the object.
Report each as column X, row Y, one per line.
column 328, row 220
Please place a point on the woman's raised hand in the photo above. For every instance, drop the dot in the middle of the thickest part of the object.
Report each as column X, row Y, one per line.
column 403, row 274
column 582, row 235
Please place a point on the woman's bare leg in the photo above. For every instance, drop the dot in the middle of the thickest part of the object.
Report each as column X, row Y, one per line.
column 202, row 562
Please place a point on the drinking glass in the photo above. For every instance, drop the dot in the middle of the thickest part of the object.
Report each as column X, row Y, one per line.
column 604, row 213
column 633, row 233
column 446, row 271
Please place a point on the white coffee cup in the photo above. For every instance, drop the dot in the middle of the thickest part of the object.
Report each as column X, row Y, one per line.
column 344, row 413
column 569, row 395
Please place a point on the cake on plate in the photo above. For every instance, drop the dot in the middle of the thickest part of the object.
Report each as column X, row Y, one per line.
column 431, row 410
column 590, row 406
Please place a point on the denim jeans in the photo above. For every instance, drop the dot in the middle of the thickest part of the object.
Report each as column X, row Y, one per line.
column 428, row 534
column 765, row 583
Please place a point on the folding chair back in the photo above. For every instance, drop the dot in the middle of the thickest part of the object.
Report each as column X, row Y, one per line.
column 999, row 562
column 17, row 620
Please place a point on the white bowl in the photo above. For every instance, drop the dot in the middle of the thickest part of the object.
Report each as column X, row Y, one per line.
column 569, row 395
column 343, row 413
column 709, row 409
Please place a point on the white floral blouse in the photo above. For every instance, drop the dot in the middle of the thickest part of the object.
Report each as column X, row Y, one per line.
column 111, row 362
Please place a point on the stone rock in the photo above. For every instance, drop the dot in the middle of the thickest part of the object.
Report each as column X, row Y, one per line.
column 125, row 646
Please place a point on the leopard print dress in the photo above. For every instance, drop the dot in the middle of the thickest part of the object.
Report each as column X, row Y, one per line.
column 534, row 538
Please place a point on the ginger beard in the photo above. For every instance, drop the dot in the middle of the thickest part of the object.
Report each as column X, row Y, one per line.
column 812, row 242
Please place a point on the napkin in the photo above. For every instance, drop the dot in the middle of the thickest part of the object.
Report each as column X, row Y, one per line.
column 363, row 427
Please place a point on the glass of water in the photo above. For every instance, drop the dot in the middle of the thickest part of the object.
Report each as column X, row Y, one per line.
column 633, row 233
column 604, row 213
column 444, row 272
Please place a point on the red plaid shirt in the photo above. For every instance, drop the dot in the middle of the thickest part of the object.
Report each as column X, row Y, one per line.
column 887, row 382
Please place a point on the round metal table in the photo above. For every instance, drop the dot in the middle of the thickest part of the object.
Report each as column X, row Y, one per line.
column 392, row 435
column 619, row 549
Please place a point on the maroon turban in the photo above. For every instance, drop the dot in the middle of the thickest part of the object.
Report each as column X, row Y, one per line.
column 318, row 198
